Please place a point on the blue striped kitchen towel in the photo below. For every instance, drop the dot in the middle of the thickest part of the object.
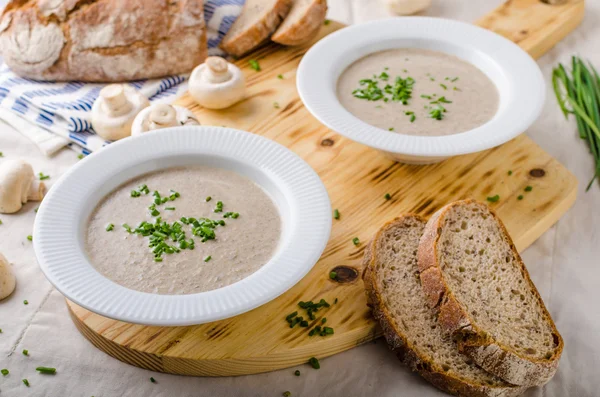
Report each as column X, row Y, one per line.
column 57, row 114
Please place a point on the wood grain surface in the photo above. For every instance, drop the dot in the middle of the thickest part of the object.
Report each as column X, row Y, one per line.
column 357, row 178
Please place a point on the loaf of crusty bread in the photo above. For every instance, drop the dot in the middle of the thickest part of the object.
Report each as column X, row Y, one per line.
column 472, row 274
column 302, row 23
column 102, row 40
column 391, row 278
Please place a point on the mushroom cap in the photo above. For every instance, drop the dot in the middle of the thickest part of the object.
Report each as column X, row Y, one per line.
column 16, row 178
column 217, row 90
column 142, row 122
column 7, row 278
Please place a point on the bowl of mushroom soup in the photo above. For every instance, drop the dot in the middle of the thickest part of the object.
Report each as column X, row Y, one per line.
column 421, row 89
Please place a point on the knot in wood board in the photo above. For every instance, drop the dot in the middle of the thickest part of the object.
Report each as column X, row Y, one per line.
column 345, row 274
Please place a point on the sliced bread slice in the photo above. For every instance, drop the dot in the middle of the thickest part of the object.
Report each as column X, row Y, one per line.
column 391, row 278
column 302, row 23
column 259, row 18
column 472, row 273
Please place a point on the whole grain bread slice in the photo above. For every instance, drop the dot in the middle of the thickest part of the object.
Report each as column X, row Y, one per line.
column 473, row 275
column 391, row 278
column 302, row 23
column 257, row 21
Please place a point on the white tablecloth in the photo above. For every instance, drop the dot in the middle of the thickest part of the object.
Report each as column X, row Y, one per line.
column 564, row 263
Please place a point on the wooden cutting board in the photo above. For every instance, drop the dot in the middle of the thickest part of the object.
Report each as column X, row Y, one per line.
column 357, row 178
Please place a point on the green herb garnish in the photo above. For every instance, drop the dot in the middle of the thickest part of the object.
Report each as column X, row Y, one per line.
column 336, row 214
column 169, row 208
column 437, row 113
column 219, row 207
column 25, row 302
column 152, row 380
column 443, row 86
column 529, row 188
column 391, row 129
column 286, row 394
column 493, row 199
column 46, row 370
column 387, row 196
column 509, row 173
column 25, row 352
column 314, row 362
column 43, row 177
column 332, row 275
column 80, row 156
column 297, row 373
column 4, row 371
column 276, row 105
column 327, row 22
column 26, row 382
column 355, row 241
column 30, row 237
column 520, row 197
column 206, row 259
column 426, row 96
column 280, row 76
column 254, row 65
column 110, row 227
column 208, row 199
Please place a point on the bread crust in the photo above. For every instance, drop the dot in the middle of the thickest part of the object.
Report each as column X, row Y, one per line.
column 399, row 344
column 304, row 29
column 102, row 40
column 240, row 43
column 473, row 341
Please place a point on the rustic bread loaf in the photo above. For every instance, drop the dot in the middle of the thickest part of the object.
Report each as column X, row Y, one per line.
column 391, row 278
column 471, row 272
column 102, row 40
column 258, row 20
column 302, row 23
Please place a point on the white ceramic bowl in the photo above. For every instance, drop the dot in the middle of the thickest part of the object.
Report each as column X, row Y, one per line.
column 516, row 75
column 299, row 194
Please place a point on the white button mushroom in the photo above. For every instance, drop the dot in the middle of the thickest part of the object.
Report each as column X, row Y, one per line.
column 114, row 110
column 407, row 7
column 18, row 185
column 217, row 84
column 160, row 116
column 7, row 278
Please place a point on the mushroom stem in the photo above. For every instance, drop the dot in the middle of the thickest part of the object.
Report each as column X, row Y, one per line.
column 218, row 68
column 37, row 191
column 162, row 116
column 115, row 99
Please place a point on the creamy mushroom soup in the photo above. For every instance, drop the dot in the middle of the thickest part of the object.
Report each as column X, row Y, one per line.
column 183, row 230
column 418, row 92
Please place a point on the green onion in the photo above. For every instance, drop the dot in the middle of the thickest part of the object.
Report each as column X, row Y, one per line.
column 332, row 275
column 412, row 118
column 456, row 89
column 0, row 221
column 206, row 259
column 4, row 371
column 520, row 197
column 254, row 65
column 276, row 105
column 280, row 76
column 286, row 394
column 81, row 156
column 387, row 196
column 443, row 86
column 355, row 241
column 43, row 177
column 208, row 199
column 169, row 208
column 25, row 302
column 110, row 227
column 25, row 352
column 529, row 188
column 426, row 96
column 1, row 154
column 314, row 362
column 323, row 320
column 297, row 373
column 335, row 301
column 391, row 129
column 152, row 380
column 46, row 370
column 509, row 172
column 26, row 382
column 493, row 199
column 30, row 237
column 327, row 22
column 336, row 214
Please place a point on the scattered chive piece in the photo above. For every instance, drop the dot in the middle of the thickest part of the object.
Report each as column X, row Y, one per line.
column 206, row 259
column 25, row 302
column 1, row 220
column 25, row 352
column 276, row 105
column 520, row 197
column 335, row 301
column 355, row 241
column 493, row 199
column 152, row 380
column 254, row 64
column 391, row 129
column 412, row 118
column 1, row 154
column 456, row 89
column 332, row 275
column 30, row 237
column 297, row 373
column 327, row 22
column 280, row 76
column 323, row 320
column 43, row 177
column 426, row 96
column 454, row 79
column 169, row 208
column 286, row 394
column 529, row 188
column 26, row 382
column 4, row 371
column 336, row 214
column 46, row 370
column 81, row 156
column 314, row 363
column 0, row 330
column 443, row 86
column 509, row 172
column 387, row 196
column 35, row 210
column 208, row 199
column 110, row 227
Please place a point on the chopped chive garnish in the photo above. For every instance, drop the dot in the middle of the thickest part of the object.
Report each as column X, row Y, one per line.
column 81, row 156
column 35, row 210
column 43, row 177
column 276, row 105
column 25, row 352
column 46, row 370
column 529, row 188
column 454, row 79
column 152, row 380
column 280, row 76
column 169, row 208
column 25, row 302
column 1, row 154
column 332, row 275
column 387, row 196
column 207, row 258
column 0, row 221
column 323, row 320
column 336, row 214
column 4, row 371
column 30, row 237
column 443, row 86
column 426, row 96
column 327, row 22
column 26, row 382
column 509, row 172
column 412, row 118
column 254, row 65
column 335, row 301
column 456, row 89
column 437, row 114
column 493, row 199
column 432, row 79
column 110, row 227
column 355, row 241
column 391, row 129
column 297, row 373
column 208, row 199
column 520, row 197
column 127, row 228
column 286, row 394
column 314, row 362
column 219, row 207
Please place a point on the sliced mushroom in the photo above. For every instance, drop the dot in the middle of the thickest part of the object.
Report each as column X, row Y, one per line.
column 217, row 84
column 161, row 116
column 115, row 109
column 7, row 278
column 407, row 7
column 18, row 185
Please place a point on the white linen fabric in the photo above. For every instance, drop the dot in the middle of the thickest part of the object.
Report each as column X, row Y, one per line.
column 563, row 263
